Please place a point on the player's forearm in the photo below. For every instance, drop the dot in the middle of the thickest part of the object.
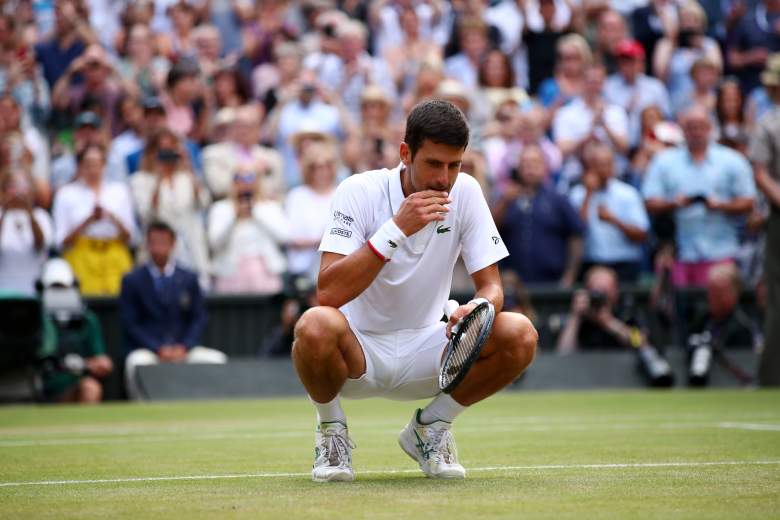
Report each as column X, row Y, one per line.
column 346, row 278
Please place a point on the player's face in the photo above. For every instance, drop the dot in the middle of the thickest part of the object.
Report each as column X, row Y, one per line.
column 434, row 167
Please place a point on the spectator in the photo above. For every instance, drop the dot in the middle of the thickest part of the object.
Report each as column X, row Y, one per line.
column 246, row 232
column 674, row 55
column 705, row 186
column 25, row 234
column 21, row 77
column 430, row 73
column 614, row 214
column 72, row 340
column 611, row 30
column 590, row 117
column 183, row 101
column 722, row 325
column 241, row 153
column 277, row 83
column 632, row 89
column 162, row 310
column 496, row 82
column 370, row 146
column 156, row 119
column 598, row 320
column 310, row 109
column 754, row 38
column 730, row 112
column 131, row 113
column 307, row 208
column 543, row 233
column 766, row 162
column 650, row 24
column 87, row 131
column 208, row 49
column 166, row 189
column 572, row 56
column 349, row 72
column 69, row 40
column 27, row 148
column 99, row 87
column 705, row 76
column 405, row 58
column 94, row 226
column 464, row 66
column 541, row 43
column 142, row 66
column 177, row 43
column 230, row 89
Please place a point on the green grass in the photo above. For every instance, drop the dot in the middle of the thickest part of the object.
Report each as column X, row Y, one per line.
column 555, row 446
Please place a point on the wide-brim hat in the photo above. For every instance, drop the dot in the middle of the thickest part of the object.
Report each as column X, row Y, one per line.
column 309, row 129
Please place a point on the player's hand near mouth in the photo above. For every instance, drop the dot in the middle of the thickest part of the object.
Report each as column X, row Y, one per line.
column 418, row 209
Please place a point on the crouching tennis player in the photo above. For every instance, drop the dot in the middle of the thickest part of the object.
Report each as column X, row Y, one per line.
column 387, row 259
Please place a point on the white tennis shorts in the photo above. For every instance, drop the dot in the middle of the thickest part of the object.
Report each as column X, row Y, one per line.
column 402, row 365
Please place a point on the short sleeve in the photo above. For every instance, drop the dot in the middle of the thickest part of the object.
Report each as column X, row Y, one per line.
column 742, row 183
column 760, row 150
column 481, row 244
column 347, row 227
column 652, row 185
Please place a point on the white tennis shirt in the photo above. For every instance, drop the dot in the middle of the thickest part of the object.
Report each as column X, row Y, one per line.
column 412, row 288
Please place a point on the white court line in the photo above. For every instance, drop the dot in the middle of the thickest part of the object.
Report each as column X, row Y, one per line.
column 750, row 426
column 495, row 428
column 399, row 471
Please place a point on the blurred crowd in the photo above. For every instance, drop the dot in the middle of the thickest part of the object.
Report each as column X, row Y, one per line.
column 604, row 133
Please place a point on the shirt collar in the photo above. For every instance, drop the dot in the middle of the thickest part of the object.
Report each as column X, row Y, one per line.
column 170, row 267
column 396, row 191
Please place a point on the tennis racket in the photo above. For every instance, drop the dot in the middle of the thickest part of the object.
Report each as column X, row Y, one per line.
column 469, row 335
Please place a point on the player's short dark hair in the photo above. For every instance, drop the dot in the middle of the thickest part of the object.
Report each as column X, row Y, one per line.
column 438, row 121
column 159, row 225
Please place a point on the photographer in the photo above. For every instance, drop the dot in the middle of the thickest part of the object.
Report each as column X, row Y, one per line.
column 166, row 189
column 246, row 232
column 73, row 353
column 597, row 321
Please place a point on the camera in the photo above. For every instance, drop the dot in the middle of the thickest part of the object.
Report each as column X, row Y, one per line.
column 167, row 155
column 598, row 300
column 246, row 196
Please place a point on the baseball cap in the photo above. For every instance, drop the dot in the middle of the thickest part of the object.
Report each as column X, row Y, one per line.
column 630, row 49
column 88, row 119
column 57, row 271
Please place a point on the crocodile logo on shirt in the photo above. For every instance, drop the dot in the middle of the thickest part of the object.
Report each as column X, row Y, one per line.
column 441, row 229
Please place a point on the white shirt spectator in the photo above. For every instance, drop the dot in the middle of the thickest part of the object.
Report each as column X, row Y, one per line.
column 371, row 71
column 646, row 91
column 259, row 236
column 74, row 202
column 20, row 263
column 307, row 212
column 124, row 144
column 459, row 67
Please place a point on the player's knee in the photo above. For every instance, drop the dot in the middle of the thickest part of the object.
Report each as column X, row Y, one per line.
column 315, row 330
column 90, row 390
column 519, row 345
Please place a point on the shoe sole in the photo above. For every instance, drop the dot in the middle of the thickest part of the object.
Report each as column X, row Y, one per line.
column 335, row 477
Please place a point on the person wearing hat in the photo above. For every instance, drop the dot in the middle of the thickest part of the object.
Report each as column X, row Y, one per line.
column 367, row 148
column 763, row 154
column 87, row 131
column 73, row 353
column 101, row 82
column 632, row 89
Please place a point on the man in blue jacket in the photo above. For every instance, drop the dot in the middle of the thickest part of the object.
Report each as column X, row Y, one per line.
column 162, row 311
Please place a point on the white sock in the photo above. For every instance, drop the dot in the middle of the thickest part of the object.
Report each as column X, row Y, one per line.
column 442, row 408
column 330, row 411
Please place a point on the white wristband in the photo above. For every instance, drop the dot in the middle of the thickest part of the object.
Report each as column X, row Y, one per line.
column 477, row 301
column 387, row 240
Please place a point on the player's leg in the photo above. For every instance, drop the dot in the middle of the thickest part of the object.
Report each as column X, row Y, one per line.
column 427, row 438
column 507, row 353
column 325, row 353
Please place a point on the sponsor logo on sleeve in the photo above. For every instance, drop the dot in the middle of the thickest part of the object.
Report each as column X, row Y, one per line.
column 341, row 232
column 343, row 219
column 392, row 244
column 496, row 240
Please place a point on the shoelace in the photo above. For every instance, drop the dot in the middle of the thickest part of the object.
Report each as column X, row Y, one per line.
column 335, row 449
column 442, row 445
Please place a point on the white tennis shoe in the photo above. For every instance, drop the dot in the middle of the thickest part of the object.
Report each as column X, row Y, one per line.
column 333, row 454
column 433, row 447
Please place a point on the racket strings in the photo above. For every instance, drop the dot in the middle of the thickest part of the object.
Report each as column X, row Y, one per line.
column 469, row 337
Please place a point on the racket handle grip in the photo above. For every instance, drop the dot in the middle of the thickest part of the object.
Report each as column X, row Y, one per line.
column 450, row 307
